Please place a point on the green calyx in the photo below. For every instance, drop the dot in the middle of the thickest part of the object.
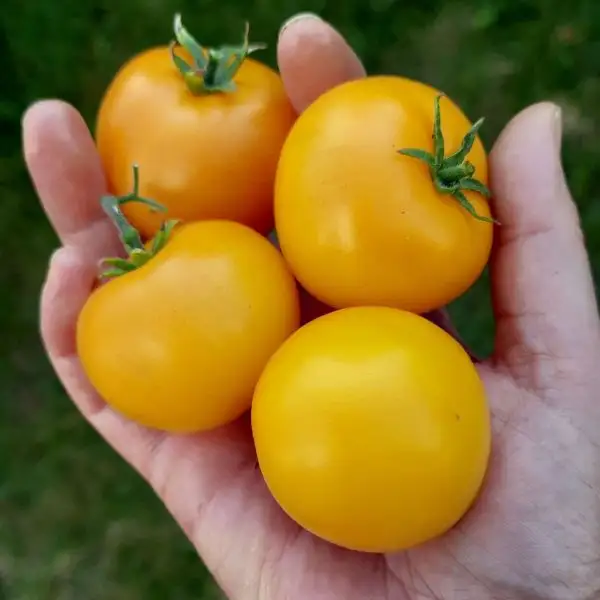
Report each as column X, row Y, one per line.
column 212, row 69
column 452, row 174
column 137, row 253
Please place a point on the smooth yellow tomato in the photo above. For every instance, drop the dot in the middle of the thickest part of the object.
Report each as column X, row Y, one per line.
column 205, row 153
column 372, row 429
column 179, row 343
column 359, row 222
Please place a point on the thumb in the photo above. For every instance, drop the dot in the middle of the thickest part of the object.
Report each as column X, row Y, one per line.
column 542, row 286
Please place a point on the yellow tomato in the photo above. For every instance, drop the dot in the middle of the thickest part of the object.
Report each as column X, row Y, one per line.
column 372, row 429
column 208, row 149
column 179, row 343
column 359, row 222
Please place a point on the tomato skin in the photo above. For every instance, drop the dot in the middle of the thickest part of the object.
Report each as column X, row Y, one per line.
column 204, row 157
column 372, row 429
column 179, row 343
column 361, row 224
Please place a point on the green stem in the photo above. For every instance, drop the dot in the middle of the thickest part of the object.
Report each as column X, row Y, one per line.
column 129, row 235
column 452, row 174
column 136, row 181
column 211, row 69
column 137, row 254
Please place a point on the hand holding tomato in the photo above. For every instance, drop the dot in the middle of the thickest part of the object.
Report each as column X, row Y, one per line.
column 533, row 531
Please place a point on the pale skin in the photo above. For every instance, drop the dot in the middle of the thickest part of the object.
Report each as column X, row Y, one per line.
column 535, row 531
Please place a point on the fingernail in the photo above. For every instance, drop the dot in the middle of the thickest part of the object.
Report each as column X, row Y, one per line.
column 298, row 17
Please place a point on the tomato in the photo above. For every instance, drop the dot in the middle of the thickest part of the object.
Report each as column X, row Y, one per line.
column 208, row 144
column 179, row 342
column 361, row 223
column 372, row 429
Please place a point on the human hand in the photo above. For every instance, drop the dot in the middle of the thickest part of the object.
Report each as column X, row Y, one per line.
column 535, row 530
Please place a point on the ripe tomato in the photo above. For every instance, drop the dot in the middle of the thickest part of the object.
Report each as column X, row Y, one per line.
column 207, row 141
column 372, row 429
column 361, row 223
column 179, row 342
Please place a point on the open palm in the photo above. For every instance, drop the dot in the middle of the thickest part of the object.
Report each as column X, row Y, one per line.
column 534, row 532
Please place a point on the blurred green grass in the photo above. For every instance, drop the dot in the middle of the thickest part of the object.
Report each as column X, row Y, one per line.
column 75, row 522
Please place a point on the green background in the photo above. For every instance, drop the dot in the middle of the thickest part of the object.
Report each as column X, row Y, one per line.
column 75, row 522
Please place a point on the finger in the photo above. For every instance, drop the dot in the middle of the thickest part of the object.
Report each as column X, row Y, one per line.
column 68, row 284
column 542, row 285
column 313, row 57
column 65, row 290
column 67, row 175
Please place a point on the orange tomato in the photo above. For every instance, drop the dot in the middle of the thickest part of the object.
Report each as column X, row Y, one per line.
column 208, row 149
column 179, row 342
column 361, row 223
column 372, row 429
